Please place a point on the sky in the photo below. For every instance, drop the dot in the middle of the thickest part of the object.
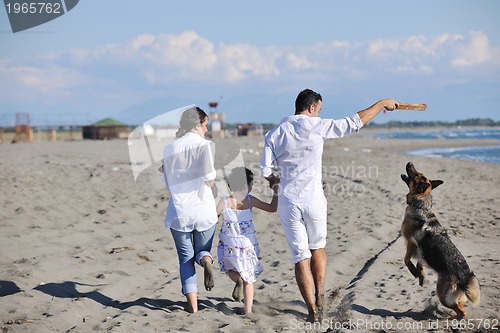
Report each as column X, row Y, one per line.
column 134, row 60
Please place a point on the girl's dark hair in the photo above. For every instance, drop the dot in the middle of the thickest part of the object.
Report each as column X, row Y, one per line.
column 305, row 99
column 240, row 179
column 190, row 119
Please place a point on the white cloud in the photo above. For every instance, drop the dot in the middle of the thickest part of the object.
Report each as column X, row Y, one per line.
column 473, row 51
column 190, row 57
column 42, row 80
column 184, row 55
column 296, row 61
column 415, row 47
column 240, row 61
column 143, row 40
column 157, row 60
column 426, row 55
column 188, row 52
column 48, row 85
column 422, row 69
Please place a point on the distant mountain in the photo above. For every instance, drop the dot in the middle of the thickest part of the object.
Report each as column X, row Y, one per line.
column 140, row 113
column 244, row 109
column 251, row 105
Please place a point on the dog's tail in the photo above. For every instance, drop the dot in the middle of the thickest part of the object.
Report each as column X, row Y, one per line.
column 472, row 290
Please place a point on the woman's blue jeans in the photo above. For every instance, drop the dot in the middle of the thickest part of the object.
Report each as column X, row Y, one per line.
column 191, row 247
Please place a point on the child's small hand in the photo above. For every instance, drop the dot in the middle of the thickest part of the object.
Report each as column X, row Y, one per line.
column 273, row 184
column 273, row 180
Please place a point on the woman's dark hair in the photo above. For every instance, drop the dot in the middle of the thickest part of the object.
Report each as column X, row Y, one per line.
column 240, row 179
column 190, row 119
column 305, row 99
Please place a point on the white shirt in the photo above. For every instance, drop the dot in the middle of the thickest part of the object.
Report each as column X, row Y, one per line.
column 187, row 164
column 296, row 145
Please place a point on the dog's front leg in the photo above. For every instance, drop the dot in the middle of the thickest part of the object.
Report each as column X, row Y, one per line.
column 411, row 248
column 420, row 269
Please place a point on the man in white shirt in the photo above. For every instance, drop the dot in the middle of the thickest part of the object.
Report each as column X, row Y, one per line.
column 296, row 146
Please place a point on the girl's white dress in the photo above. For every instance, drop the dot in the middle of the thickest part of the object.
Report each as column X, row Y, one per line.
column 238, row 249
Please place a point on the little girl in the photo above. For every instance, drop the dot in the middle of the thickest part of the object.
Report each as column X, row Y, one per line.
column 238, row 249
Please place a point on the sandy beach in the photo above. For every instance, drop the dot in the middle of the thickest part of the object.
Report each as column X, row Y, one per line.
column 84, row 247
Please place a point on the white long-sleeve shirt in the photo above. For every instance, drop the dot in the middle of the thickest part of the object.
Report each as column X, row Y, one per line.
column 187, row 165
column 296, row 146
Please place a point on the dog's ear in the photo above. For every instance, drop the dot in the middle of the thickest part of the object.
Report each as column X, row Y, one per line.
column 436, row 183
column 405, row 179
column 421, row 186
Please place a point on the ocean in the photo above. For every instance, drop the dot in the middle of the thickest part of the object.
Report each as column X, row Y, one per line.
column 480, row 153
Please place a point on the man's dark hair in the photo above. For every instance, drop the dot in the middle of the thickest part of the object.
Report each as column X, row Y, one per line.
column 305, row 99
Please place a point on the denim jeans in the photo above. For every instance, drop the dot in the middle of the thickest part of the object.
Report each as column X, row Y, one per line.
column 191, row 247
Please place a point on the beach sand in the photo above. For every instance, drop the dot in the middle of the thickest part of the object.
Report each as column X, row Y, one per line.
column 84, row 248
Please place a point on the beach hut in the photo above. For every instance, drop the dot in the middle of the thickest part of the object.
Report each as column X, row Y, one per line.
column 107, row 128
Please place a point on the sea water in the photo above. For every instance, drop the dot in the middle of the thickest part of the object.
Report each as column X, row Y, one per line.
column 481, row 153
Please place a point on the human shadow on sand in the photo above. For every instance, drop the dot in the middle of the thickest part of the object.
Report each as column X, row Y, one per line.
column 387, row 313
column 68, row 289
column 8, row 288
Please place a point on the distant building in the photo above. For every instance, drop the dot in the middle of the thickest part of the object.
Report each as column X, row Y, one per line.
column 217, row 123
column 106, row 129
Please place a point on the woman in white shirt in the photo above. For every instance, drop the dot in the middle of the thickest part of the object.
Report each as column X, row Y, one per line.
column 188, row 169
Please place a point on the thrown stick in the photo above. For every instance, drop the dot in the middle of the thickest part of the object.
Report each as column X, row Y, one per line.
column 412, row 107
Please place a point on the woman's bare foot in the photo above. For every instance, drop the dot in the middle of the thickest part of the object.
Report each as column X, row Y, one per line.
column 209, row 275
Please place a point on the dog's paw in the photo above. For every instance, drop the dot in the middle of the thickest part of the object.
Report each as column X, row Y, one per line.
column 421, row 281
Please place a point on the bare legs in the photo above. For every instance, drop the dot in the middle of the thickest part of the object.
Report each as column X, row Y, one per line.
column 192, row 299
column 311, row 281
column 248, row 296
column 318, row 268
column 305, row 281
column 248, row 290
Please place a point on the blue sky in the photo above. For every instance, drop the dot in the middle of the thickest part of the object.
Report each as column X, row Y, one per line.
column 134, row 59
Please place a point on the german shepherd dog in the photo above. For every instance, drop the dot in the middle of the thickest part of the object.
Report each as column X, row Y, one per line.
column 429, row 243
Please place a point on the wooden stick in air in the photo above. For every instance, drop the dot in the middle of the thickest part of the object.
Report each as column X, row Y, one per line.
column 412, row 107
